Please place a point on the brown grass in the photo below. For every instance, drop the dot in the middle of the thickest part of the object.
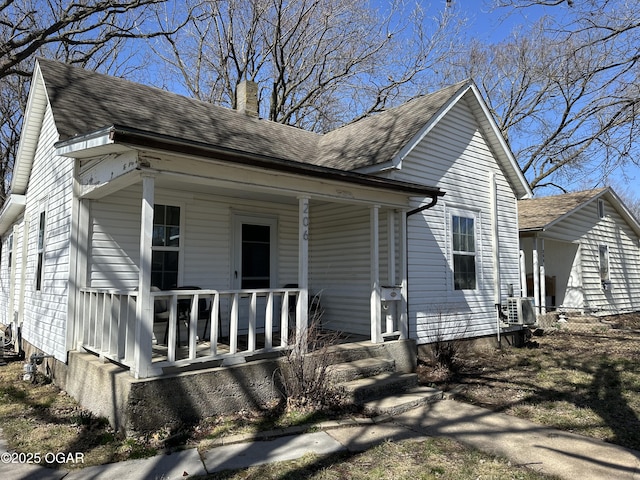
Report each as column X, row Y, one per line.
column 583, row 380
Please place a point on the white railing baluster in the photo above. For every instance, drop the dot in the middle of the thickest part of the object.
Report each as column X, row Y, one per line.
column 193, row 326
column 233, row 325
column 268, row 322
column 173, row 324
column 214, row 325
column 284, row 320
column 251, row 341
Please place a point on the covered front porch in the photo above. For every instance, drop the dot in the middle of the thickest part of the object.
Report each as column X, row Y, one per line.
column 204, row 264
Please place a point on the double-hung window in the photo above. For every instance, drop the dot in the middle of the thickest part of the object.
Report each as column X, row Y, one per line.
column 10, row 252
column 603, row 261
column 165, row 247
column 463, row 241
column 41, row 251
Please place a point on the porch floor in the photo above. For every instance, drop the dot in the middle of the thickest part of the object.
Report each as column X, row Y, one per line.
column 203, row 347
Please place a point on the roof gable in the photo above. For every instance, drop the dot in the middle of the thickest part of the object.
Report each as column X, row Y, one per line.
column 542, row 213
column 380, row 138
column 383, row 141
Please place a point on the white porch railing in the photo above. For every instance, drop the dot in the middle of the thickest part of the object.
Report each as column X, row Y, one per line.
column 223, row 324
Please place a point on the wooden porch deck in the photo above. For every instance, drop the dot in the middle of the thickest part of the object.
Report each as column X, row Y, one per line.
column 203, row 347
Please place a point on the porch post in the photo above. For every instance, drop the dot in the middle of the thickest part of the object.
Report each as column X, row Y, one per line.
column 302, row 309
column 376, row 307
column 536, row 275
column 78, row 270
column 144, row 305
column 543, row 281
column 523, row 276
column 403, row 314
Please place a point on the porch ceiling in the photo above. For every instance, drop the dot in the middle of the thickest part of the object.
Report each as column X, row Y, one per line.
column 171, row 183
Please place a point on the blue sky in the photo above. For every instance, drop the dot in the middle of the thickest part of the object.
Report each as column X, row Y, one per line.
column 495, row 25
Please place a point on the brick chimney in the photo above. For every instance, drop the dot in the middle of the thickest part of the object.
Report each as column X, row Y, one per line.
column 247, row 98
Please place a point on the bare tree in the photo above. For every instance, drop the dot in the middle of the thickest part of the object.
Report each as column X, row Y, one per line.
column 93, row 34
column 566, row 93
column 318, row 63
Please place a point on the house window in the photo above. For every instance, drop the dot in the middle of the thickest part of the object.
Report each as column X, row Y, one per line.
column 464, row 252
column 600, row 208
column 41, row 250
column 10, row 251
column 165, row 247
column 604, row 263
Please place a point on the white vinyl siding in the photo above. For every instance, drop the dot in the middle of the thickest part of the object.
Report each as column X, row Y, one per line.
column 456, row 157
column 207, row 238
column 50, row 184
column 340, row 265
column 586, row 229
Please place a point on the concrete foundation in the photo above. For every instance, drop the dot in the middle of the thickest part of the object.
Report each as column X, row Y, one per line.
column 513, row 338
column 141, row 405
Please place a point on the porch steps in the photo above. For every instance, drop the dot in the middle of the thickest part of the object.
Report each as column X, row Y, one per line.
column 357, row 369
column 402, row 402
column 368, row 377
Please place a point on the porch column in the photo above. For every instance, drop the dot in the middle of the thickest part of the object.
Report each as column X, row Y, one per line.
column 144, row 304
column 403, row 314
column 523, row 275
column 536, row 275
column 302, row 309
column 376, row 307
column 78, row 269
column 543, row 280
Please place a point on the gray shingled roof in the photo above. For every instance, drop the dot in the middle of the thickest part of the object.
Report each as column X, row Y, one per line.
column 538, row 213
column 84, row 102
column 379, row 138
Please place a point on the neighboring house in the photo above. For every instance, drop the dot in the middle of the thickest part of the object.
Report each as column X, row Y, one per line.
column 581, row 253
column 120, row 187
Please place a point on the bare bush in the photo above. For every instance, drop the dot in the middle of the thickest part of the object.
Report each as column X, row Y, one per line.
column 304, row 374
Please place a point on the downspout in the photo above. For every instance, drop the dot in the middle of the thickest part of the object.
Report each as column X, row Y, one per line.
column 434, row 201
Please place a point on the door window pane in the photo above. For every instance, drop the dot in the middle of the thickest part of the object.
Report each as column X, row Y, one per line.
column 256, row 256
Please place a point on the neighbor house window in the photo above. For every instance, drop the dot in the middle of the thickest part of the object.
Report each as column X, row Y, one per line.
column 463, row 239
column 165, row 247
column 41, row 249
column 604, row 263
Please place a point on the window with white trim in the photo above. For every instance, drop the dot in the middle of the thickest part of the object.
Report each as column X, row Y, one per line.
column 603, row 254
column 600, row 208
column 42, row 223
column 463, row 242
column 10, row 252
column 165, row 248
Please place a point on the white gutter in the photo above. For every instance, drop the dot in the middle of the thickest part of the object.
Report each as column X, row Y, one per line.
column 11, row 210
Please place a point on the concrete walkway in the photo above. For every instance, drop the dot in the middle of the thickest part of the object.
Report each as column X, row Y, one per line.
column 543, row 449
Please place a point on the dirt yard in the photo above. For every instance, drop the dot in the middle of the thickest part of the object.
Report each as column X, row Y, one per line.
column 581, row 378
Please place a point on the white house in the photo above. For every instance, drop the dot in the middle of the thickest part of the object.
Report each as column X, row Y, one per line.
column 404, row 224
column 581, row 253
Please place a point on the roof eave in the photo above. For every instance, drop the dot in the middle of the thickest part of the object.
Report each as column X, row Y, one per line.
column 118, row 135
column 11, row 210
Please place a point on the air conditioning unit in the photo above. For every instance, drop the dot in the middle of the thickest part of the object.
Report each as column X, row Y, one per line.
column 520, row 311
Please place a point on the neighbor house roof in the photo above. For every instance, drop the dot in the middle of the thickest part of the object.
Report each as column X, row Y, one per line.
column 538, row 214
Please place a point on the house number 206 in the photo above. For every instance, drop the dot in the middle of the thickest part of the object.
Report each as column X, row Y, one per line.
column 305, row 222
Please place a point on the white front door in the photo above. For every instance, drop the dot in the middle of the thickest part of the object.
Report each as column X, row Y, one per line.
column 254, row 263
